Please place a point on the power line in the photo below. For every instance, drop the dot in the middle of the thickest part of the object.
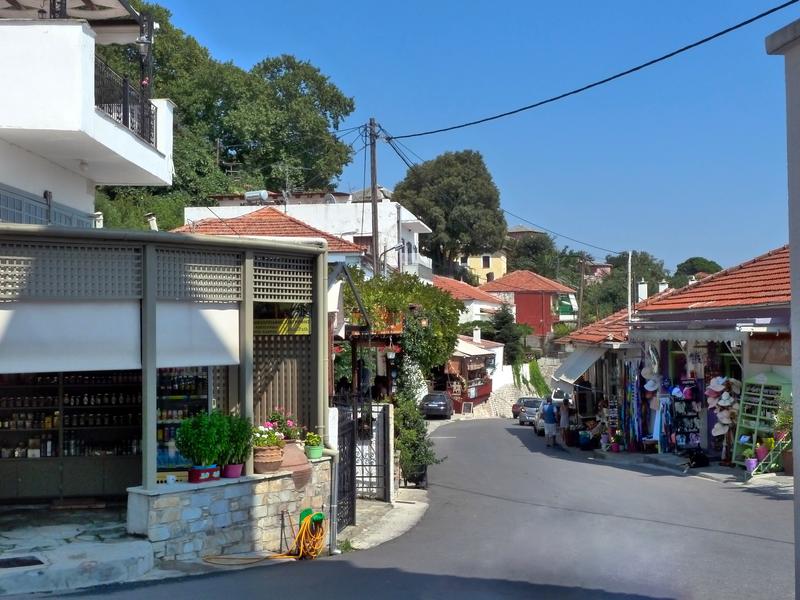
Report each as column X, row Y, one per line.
column 561, row 235
column 600, row 82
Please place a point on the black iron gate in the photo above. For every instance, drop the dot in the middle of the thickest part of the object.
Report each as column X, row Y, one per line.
column 346, row 511
column 373, row 475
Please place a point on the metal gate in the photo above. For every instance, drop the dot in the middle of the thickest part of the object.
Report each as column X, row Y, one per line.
column 346, row 511
column 373, row 475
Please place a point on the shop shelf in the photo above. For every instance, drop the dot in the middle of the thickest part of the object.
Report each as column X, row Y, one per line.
column 40, row 430
column 102, row 406
column 27, row 408
column 96, row 427
column 184, row 397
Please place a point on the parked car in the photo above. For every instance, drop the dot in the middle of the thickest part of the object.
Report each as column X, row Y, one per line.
column 515, row 408
column 529, row 410
column 437, row 404
column 558, row 397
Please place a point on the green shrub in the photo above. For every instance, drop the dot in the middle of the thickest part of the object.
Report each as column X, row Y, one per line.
column 239, row 442
column 313, row 439
column 201, row 437
column 537, row 380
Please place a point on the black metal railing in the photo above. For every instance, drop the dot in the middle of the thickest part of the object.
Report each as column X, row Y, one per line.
column 124, row 102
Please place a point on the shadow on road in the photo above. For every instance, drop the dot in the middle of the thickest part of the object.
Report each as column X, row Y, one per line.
column 340, row 578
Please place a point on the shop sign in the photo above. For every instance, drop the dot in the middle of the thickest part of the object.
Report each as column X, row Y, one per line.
column 285, row 326
column 771, row 349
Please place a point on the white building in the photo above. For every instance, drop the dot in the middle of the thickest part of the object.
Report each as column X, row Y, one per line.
column 69, row 123
column 344, row 215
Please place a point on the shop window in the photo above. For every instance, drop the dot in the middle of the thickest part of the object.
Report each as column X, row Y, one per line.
column 487, row 261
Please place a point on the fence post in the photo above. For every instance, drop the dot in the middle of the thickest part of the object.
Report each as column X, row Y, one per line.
column 126, row 109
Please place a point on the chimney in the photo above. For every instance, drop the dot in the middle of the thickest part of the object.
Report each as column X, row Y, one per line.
column 98, row 220
column 692, row 280
column 662, row 286
column 641, row 290
column 151, row 220
column 476, row 335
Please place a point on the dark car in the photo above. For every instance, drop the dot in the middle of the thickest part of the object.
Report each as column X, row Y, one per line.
column 437, row 404
column 529, row 410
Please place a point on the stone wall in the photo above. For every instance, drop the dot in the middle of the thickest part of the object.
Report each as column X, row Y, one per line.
column 187, row 521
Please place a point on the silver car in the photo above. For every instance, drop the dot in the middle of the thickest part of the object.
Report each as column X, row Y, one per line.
column 529, row 410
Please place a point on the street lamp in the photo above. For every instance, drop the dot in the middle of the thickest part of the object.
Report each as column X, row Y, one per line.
column 384, row 253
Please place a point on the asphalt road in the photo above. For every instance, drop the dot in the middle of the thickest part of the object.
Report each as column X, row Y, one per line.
column 510, row 518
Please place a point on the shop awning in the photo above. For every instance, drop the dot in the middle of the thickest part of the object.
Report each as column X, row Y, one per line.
column 687, row 335
column 577, row 364
column 192, row 335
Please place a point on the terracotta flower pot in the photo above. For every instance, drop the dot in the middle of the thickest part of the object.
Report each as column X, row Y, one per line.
column 296, row 461
column 267, row 459
column 787, row 458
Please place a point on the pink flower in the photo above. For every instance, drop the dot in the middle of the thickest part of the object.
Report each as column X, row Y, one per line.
column 269, row 425
column 290, row 423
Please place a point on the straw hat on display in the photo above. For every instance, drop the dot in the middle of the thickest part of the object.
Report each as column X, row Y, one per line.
column 736, row 386
column 719, row 429
column 651, row 385
column 724, row 417
column 712, row 401
column 676, row 392
column 648, row 373
column 717, row 384
column 688, row 393
column 726, row 399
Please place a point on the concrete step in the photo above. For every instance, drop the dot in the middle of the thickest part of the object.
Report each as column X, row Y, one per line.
column 77, row 565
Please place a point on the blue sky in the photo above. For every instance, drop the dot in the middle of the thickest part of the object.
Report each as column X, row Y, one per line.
column 686, row 158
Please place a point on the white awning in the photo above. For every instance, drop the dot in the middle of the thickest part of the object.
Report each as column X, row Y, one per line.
column 687, row 335
column 69, row 336
column 194, row 334
column 577, row 364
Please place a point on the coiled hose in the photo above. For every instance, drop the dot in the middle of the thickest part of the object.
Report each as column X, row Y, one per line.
column 308, row 544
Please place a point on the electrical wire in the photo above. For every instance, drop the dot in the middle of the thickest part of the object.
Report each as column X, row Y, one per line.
column 606, row 80
column 393, row 145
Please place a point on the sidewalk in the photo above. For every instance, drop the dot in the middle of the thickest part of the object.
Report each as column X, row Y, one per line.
column 772, row 484
column 378, row 522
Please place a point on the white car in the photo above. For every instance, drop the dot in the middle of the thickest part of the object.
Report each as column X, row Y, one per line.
column 529, row 410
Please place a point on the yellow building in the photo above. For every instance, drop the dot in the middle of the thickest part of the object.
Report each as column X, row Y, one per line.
column 486, row 267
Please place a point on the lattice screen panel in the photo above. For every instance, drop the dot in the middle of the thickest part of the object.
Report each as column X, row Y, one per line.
column 282, row 370
column 69, row 271
column 282, row 278
column 199, row 276
column 219, row 389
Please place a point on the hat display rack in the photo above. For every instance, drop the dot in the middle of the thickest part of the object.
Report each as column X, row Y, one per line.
column 722, row 395
column 687, row 408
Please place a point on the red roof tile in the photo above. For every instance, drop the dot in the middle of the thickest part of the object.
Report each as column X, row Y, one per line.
column 462, row 291
column 525, row 281
column 614, row 328
column 269, row 222
column 764, row 280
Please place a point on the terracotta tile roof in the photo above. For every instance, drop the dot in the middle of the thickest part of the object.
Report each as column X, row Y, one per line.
column 462, row 291
column 525, row 281
column 269, row 222
column 761, row 281
column 614, row 328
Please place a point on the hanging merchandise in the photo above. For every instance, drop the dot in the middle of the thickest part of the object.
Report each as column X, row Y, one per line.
column 686, row 416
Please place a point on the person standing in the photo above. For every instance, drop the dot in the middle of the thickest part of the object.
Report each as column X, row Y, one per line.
column 549, row 417
column 563, row 420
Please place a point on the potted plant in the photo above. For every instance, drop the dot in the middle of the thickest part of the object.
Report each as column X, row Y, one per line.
column 761, row 451
column 615, row 442
column 237, row 447
column 199, row 439
column 784, row 420
column 313, row 446
column 267, row 448
column 750, row 462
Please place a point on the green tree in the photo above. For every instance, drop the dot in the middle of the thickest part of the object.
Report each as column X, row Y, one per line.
column 510, row 333
column 402, row 297
column 276, row 118
column 454, row 194
column 611, row 294
column 539, row 253
column 693, row 266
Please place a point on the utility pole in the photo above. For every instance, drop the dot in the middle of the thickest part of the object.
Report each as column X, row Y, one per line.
column 580, row 294
column 373, row 168
column 630, row 285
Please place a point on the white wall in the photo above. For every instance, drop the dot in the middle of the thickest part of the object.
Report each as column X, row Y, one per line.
column 47, row 107
column 346, row 220
column 30, row 173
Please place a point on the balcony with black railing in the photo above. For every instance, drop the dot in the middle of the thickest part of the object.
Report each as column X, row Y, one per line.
column 124, row 102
